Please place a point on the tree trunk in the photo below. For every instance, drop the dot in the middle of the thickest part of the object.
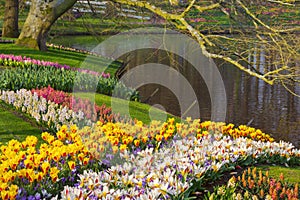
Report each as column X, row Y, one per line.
column 41, row 16
column 10, row 23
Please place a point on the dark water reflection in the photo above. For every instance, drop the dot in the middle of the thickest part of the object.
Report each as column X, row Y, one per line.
column 249, row 100
column 272, row 108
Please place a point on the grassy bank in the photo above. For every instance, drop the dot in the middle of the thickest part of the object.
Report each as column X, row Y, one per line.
column 16, row 125
column 140, row 111
column 73, row 59
column 292, row 175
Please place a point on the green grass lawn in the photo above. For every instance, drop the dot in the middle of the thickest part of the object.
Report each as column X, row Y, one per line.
column 15, row 125
column 140, row 111
column 291, row 174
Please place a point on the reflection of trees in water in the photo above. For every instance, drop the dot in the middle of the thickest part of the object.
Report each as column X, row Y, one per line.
column 165, row 96
column 270, row 108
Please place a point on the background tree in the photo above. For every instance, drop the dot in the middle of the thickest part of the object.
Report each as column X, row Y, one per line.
column 41, row 16
column 255, row 29
column 10, row 22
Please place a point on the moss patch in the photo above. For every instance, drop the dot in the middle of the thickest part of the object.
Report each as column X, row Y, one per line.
column 28, row 42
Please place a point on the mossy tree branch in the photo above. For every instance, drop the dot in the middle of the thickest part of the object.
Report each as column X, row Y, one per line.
column 280, row 50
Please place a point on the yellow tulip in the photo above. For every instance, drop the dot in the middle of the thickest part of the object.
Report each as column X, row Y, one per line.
column 86, row 161
column 64, row 128
column 4, row 194
column 115, row 149
column 71, row 165
column 54, row 173
column 45, row 167
column 144, row 139
column 80, row 156
column 123, row 147
column 45, row 136
column 56, row 156
column 3, row 186
column 60, row 135
column 73, row 128
column 13, row 191
column 158, row 137
column 137, row 143
column 30, row 175
column 39, row 176
column 28, row 163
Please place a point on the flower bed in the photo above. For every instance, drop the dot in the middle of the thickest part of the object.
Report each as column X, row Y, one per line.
column 110, row 137
column 21, row 61
column 90, row 111
column 173, row 171
column 63, row 166
column 45, row 112
column 113, row 159
column 61, row 47
column 36, row 173
column 253, row 184
column 29, row 73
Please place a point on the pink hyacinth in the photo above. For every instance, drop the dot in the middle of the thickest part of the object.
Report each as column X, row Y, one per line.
column 27, row 60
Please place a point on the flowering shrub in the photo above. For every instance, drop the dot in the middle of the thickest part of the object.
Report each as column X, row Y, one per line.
column 256, row 185
column 36, row 173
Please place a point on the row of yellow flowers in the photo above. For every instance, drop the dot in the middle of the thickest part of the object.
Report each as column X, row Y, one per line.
column 22, row 163
column 121, row 136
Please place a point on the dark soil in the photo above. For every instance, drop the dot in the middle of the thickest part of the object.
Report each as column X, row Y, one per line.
column 209, row 187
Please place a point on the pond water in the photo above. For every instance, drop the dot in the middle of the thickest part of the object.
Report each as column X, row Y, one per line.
column 249, row 101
